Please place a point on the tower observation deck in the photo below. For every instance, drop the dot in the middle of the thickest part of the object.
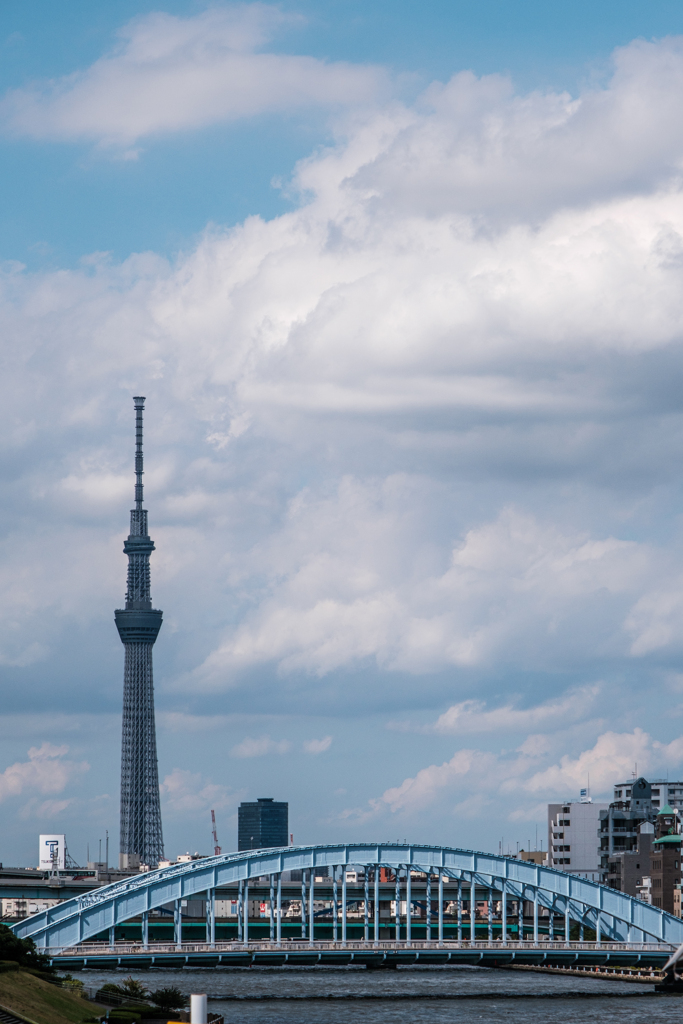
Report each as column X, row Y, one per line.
column 138, row 624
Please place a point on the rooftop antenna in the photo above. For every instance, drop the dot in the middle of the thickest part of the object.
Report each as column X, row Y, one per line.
column 216, row 847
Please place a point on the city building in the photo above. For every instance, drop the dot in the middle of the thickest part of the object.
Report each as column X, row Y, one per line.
column 533, row 856
column 573, row 837
column 665, row 858
column 628, row 870
column 634, row 802
column 262, row 823
column 138, row 625
column 15, row 909
column 661, row 792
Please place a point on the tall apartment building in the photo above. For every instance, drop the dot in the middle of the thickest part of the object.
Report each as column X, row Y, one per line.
column 262, row 823
column 635, row 802
column 628, row 870
column 573, row 837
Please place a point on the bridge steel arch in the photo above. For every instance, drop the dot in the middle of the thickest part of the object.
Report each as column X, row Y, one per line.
column 615, row 916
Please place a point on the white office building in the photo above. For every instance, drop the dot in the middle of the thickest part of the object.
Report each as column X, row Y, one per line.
column 573, row 828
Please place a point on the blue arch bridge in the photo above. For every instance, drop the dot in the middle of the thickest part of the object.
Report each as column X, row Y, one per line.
column 380, row 905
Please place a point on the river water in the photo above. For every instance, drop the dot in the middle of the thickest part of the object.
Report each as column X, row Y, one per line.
column 415, row 995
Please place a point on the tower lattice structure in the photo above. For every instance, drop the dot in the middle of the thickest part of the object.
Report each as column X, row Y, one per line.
column 138, row 625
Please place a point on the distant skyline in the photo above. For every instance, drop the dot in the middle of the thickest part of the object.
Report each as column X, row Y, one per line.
column 402, row 286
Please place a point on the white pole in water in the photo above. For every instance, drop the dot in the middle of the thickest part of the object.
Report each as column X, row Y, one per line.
column 198, row 1009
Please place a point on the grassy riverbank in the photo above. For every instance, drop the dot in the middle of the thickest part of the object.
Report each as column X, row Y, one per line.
column 42, row 1003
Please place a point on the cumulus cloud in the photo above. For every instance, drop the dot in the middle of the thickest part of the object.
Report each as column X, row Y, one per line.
column 170, row 74
column 428, row 423
column 260, row 746
column 318, row 746
column 341, row 593
column 45, row 772
column 509, row 780
column 183, row 791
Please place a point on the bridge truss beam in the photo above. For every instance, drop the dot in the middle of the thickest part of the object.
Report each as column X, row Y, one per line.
column 613, row 915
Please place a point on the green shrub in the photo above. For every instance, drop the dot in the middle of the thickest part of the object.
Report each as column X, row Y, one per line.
column 131, row 987
column 168, row 998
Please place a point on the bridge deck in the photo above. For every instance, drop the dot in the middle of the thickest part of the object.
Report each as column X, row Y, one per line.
column 301, row 953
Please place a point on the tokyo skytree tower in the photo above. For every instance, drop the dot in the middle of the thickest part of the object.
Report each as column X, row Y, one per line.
column 138, row 625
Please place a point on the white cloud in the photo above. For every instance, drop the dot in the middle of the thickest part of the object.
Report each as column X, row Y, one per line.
column 342, row 593
column 318, row 746
column 471, row 715
column 184, row 792
column 426, row 423
column 507, row 780
column 260, row 746
column 170, row 74
column 45, row 772
column 45, row 808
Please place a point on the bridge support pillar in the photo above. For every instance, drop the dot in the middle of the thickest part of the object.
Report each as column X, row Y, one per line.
column 520, row 914
column 376, row 904
column 490, row 915
column 271, row 908
column 246, row 912
column 303, row 904
column 535, row 917
column 441, row 906
column 459, row 908
column 567, row 920
column 428, row 930
column 112, row 936
column 335, row 904
column 145, row 930
column 178, row 923
column 473, row 910
column 366, row 894
column 211, row 917
column 397, row 904
column 311, row 907
column 343, row 920
column 278, row 915
column 504, row 912
column 409, row 905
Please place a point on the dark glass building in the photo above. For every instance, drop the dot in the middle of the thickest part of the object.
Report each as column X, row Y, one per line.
column 262, row 822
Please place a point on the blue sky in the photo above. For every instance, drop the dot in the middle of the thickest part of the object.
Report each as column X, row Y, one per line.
column 402, row 287
column 61, row 201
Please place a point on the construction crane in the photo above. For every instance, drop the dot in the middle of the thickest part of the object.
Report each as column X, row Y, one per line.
column 216, row 847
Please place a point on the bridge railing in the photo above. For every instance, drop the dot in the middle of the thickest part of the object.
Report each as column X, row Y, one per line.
column 94, row 949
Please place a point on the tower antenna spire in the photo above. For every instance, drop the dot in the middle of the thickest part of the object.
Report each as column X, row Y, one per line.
column 139, row 408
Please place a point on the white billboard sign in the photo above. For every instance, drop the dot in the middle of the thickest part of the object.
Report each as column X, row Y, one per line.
column 52, row 853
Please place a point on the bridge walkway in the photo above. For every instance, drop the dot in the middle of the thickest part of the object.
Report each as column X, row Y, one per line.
column 369, row 954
